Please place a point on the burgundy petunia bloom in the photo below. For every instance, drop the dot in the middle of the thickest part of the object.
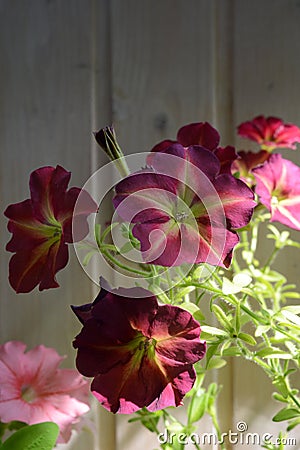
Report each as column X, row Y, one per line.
column 270, row 132
column 183, row 210
column 278, row 188
column 140, row 354
column 42, row 228
column 203, row 134
column 246, row 162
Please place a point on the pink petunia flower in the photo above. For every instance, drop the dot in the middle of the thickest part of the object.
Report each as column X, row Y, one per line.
column 34, row 390
column 42, row 228
column 140, row 354
column 278, row 188
column 200, row 134
column 270, row 132
column 183, row 210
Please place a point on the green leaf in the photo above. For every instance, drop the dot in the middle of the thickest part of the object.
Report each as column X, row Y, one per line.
column 216, row 363
column 279, row 397
column 247, row 338
column 211, row 351
column 198, row 315
column 292, row 295
column 16, row 425
column 150, row 424
column 293, row 424
column 182, row 292
column 190, row 307
column 41, row 436
column 213, row 331
column 270, row 352
column 127, row 247
column 222, row 318
column 286, row 414
column 291, row 316
column 261, row 329
column 280, row 384
column 197, row 408
column 231, row 351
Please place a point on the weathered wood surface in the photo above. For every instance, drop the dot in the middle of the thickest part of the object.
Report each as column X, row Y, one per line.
column 150, row 66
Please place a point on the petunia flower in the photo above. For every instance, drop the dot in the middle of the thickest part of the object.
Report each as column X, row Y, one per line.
column 200, row 133
column 35, row 390
column 204, row 135
column 270, row 132
column 183, row 210
column 42, row 228
column 278, row 188
column 246, row 162
column 141, row 354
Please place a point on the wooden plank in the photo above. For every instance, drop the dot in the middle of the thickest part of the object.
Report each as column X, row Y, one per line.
column 101, row 116
column 45, row 113
column 223, row 113
column 163, row 76
column 161, row 68
column 265, row 81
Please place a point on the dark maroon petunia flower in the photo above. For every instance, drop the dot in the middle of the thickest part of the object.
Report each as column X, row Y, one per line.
column 204, row 135
column 270, row 132
column 42, row 228
column 278, row 188
column 201, row 133
column 246, row 162
column 140, row 354
column 183, row 210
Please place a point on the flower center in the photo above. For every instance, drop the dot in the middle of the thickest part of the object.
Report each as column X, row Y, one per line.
column 145, row 343
column 28, row 393
column 274, row 201
column 53, row 230
column 181, row 216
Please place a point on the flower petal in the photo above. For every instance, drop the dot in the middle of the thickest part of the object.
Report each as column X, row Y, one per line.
column 201, row 133
column 37, row 266
column 237, row 200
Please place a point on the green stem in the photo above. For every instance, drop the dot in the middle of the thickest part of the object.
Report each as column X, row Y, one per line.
column 253, row 244
column 271, row 259
column 218, row 431
column 115, row 261
column 122, row 166
column 231, row 298
column 282, row 331
column 295, row 400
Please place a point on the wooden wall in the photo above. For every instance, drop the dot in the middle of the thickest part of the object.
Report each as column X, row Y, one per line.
column 149, row 66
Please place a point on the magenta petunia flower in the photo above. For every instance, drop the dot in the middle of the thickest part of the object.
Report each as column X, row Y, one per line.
column 35, row 390
column 270, row 132
column 204, row 135
column 278, row 188
column 140, row 354
column 183, row 210
column 42, row 228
